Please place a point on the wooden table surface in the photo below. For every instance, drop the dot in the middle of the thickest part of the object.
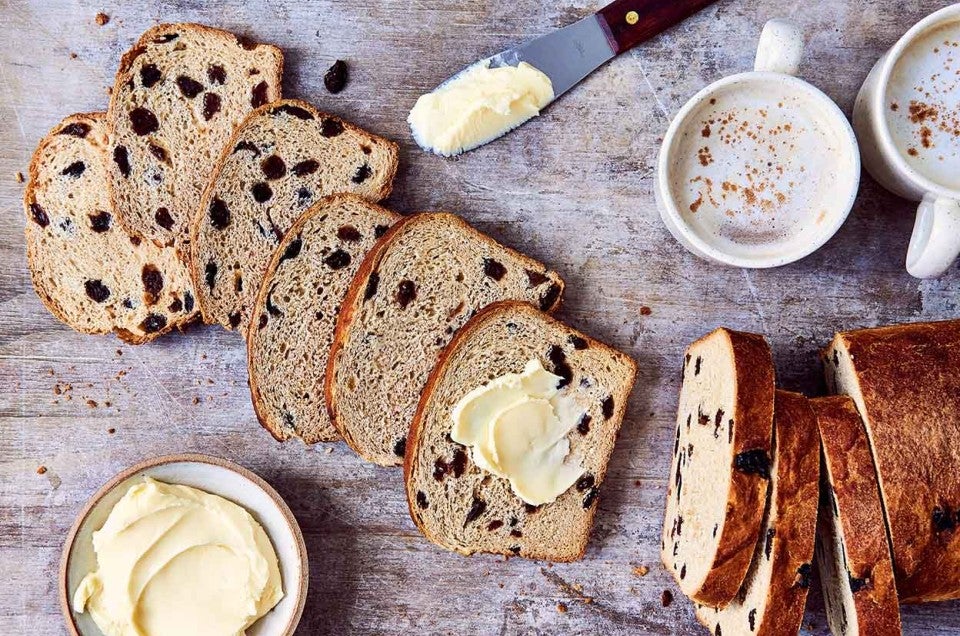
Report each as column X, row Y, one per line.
column 573, row 188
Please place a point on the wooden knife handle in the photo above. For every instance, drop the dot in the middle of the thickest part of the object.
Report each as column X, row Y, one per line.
column 630, row 22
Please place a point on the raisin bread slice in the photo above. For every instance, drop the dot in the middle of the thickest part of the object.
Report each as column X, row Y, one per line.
column 853, row 554
column 284, row 157
column 86, row 269
column 905, row 384
column 772, row 598
column 721, row 465
column 416, row 287
column 297, row 307
column 180, row 92
column 464, row 508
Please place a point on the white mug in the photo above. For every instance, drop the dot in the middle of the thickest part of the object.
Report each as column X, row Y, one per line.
column 935, row 243
column 821, row 179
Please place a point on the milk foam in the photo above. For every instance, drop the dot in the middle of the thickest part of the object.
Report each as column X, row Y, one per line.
column 760, row 167
column 923, row 105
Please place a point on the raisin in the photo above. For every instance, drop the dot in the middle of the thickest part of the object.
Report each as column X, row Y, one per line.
column 372, row 282
column 380, row 230
column 942, row 519
column 531, row 509
column 122, row 160
column 39, row 215
column 135, row 240
column 74, row 170
column 337, row 259
column 211, row 105
column 96, row 290
column 535, row 279
column 271, row 308
column 549, row 298
column 578, row 343
column 293, row 249
column 330, row 127
column 336, row 77
column 683, row 575
column 237, row 282
column 263, row 321
column 187, row 302
column 210, row 274
column 857, row 584
column 459, row 463
column 440, row 469
column 768, row 542
column 152, row 281
column 234, row 319
column 496, row 524
column 400, row 447
column 144, row 122
column 717, row 631
column 246, row 43
column 516, row 534
column 153, row 323
column 583, row 426
column 696, row 370
column 166, row 37
column 219, row 214
column 477, row 508
column 362, row 174
column 216, row 74
column 175, row 306
column 273, row 167
column 304, row 195
column 261, row 192
column 406, row 293
column 304, row 168
column 494, row 269
column 294, row 111
column 158, row 152
column 422, row 500
column 803, row 575
column 100, row 222
column 716, row 527
column 149, row 75
column 560, row 367
column 585, row 482
column 189, row 86
column 753, row 462
column 258, row 95
column 76, row 129
column 607, row 407
column 591, row 497
column 127, row 303
column 348, row 233
column 752, row 619
column 247, row 145
column 666, row 598
column 163, row 218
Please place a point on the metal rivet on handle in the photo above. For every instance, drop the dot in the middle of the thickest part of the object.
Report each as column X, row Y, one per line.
column 632, row 18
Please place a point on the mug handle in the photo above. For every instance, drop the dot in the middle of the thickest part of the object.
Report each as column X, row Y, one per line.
column 780, row 48
column 935, row 243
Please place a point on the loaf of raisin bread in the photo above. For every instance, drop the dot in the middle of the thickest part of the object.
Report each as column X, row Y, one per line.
column 180, row 92
column 283, row 158
column 772, row 598
column 721, row 465
column 86, row 269
column 853, row 554
column 416, row 287
column 905, row 384
column 462, row 507
column 296, row 309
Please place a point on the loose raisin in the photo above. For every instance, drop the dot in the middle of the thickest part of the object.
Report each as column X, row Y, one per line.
column 362, row 174
column 294, row 111
column 406, row 293
column 372, row 283
column 293, row 249
column 261, row 192
column 258, row 95
column 304, row 168
column 219, row 214
column 153, row 323
column 76, row 129
column 144, row 122
column 753, row 462
column 477, row 508
column 123, row 162
column 422, row 500
column 74, row 170
column 666, row 598
column 337, row 259
column 607, row 407
column 189, row 86
column 560, row 367
column 163, row 218
column 336, row 77
column 330, row 127
column 210, row 274
column 149, row 75
column 96, row 290
column 348, row 233
column 211, row 105
column 100, row 222
column 549, row 298
column 216, row 74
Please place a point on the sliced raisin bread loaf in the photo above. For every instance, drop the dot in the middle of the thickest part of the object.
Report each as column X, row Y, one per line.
column 905, row 384
column 180, row 92
column 463, row 507
column 283, row 158
column 772, row 598
column 721, row 464
column 853, row 554
column 415, row 288
column 86, row 269
column 296, row 310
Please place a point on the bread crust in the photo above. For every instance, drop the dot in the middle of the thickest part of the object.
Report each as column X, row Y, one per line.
column 350, row 306
column 416, row 431
column 851, row 479
column 906, row 386
column 255, row 393
column 33, row 172
column 199, row 214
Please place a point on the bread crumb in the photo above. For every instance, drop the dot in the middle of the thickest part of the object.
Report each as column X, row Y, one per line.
column 111, row 430
column 562, row 608
column 108, row 90
column 196, row 400
column 108, row 404
column 41, row 470
column 328, row 450
column 101, row 18
column 73, row 56
column 666, row 598
column 587, row 600
column 645, row 311
column 92, row 404
column 641, row 570
column 119, row 352
column 19, row 177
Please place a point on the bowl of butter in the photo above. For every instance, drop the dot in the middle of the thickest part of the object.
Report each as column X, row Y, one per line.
column 184, row 544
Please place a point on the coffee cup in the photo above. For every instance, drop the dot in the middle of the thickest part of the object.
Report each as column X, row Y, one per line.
column 907, row 117
column 761, row 168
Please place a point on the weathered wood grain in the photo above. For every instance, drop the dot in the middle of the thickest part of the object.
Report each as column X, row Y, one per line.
column 574, row 188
